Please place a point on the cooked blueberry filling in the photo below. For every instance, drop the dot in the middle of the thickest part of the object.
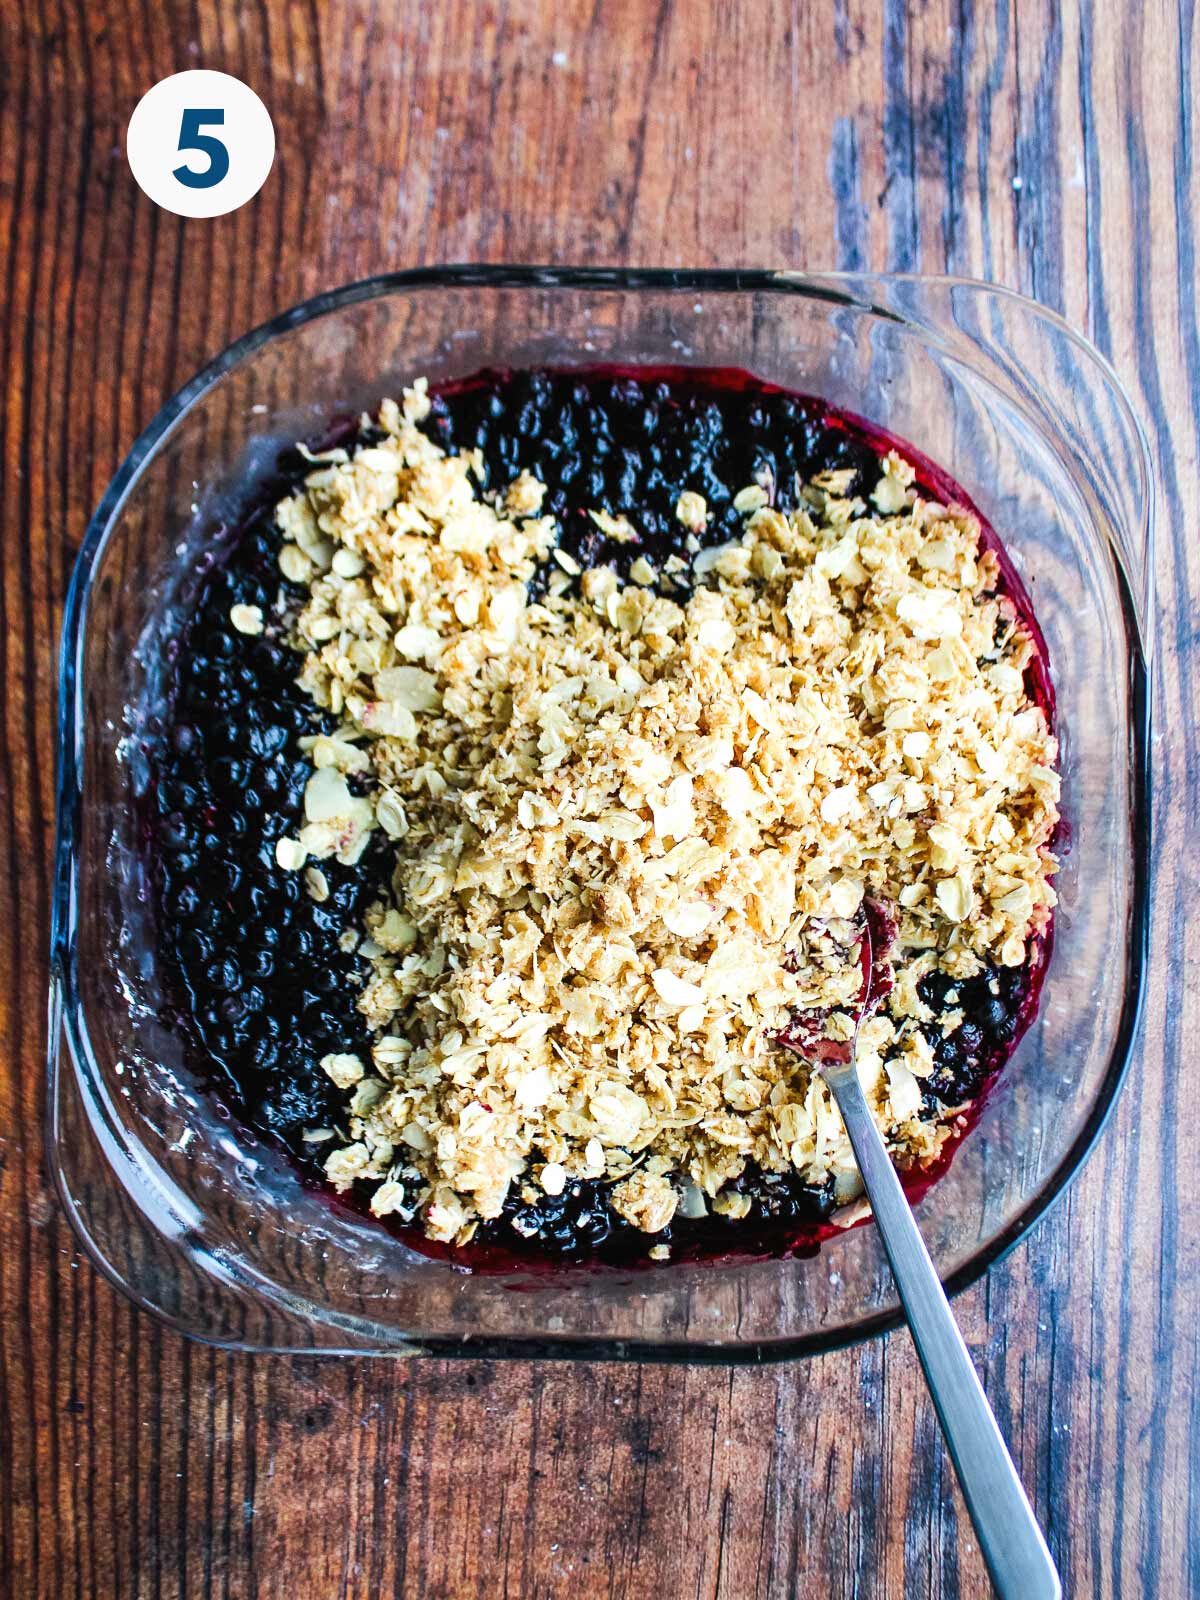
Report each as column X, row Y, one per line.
column 265, row 982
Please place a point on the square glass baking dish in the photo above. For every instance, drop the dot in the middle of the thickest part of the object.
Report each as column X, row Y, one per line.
column 200, row 1223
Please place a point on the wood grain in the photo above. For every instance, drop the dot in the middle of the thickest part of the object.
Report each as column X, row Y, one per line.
column 1046, row 146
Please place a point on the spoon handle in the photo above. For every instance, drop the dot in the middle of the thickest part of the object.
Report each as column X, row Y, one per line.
column 1012, row 1543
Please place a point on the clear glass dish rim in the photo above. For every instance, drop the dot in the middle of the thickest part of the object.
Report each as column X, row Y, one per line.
column 833, row 288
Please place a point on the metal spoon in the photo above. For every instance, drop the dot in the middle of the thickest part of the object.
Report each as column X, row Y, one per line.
column 1013, row 1547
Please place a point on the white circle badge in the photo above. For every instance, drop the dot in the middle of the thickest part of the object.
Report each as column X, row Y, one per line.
column 200, row 143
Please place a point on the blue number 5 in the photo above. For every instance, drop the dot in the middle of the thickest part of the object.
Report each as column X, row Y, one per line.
column 190, row 138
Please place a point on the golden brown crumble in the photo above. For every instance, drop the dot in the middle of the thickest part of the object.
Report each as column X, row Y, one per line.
column 633, row 833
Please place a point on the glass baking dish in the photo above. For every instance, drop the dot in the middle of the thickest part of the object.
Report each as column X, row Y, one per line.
column 199, row 1222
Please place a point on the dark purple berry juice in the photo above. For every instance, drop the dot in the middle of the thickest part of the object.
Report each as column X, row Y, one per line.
column 261, row 986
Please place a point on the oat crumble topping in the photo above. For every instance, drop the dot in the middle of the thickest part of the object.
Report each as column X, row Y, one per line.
column 634, row 826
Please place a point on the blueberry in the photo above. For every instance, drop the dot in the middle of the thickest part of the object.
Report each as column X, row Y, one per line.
column 994, row 1014
column 187, row 901
column 266, row 740
column 195, row 948
column 264, row 1053
column 174, row 832
column 254, row 901
column 268, row 658
column 970, row 1038
column 223, row 977
column 228, row 776
column 226, row 878
column 948, row 1053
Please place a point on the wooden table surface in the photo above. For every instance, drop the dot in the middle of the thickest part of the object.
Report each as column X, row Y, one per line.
column 1047, row 148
